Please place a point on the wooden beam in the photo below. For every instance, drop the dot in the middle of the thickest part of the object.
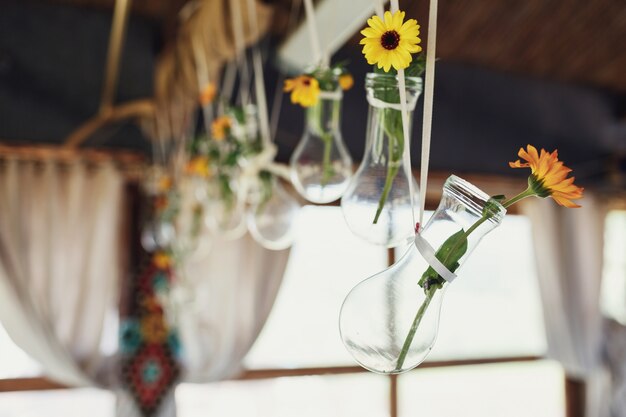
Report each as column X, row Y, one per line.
column 130, row 110
column 116, row 43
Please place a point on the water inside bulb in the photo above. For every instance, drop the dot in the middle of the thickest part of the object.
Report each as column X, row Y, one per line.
column 378, row 315
column 320, row 165
column 271, row 218
column 377, row 204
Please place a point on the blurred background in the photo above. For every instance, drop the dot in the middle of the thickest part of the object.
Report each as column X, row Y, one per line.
column 534, row 327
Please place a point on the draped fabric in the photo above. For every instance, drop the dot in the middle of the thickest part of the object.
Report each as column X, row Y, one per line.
column 60, row 268
column 569, row 253
column 59, row 264
column 224, row 301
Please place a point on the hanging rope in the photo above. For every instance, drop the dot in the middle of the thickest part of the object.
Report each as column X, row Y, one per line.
column 428, row 108
column 259, row 77
column 406, row 155
column 240, row 50
column 428, row 103
column 314, row 35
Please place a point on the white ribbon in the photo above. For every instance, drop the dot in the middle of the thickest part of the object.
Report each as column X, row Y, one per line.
column 420, row 243
column 428, row 103
column 331, row 95
column 406, row 155
column 240, row 50
column 319, row 57
column 259, row 78
column 428, row 253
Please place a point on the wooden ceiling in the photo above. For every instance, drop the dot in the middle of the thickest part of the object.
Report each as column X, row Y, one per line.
column 567, row 40
column 582, row 42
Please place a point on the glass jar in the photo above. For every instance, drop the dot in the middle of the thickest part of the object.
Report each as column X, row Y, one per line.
column 377, row 204
column 389, row 321
column 320, row 165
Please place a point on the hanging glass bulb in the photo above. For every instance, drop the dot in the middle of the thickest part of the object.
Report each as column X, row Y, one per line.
column 377, row 204
column 191, row 230
column 271, row 218
column 226, row 214
column 389, row 321
column 320, row 165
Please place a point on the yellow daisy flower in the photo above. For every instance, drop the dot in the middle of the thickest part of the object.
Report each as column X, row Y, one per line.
column 305, row 90
column 549, row 176
column 346, row 81
column 198, row 166
column 220, row 128
column 390, row 42
column 207, row 95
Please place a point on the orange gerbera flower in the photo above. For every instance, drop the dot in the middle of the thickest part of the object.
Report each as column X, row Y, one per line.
column 220, row 128
column 549, row 176
column 305, row 90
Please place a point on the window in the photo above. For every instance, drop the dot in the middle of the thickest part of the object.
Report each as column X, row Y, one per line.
column 492, row 311
column 491, row 314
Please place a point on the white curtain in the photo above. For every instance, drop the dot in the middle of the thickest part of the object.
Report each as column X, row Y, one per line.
column 226, row 299
column 569, row 254
column 59, row 263
column 60, row 271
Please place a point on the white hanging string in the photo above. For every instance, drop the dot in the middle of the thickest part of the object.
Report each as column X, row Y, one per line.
column 202, row 73
column 228, row 85
column 428, row 103
column 406, row 154
column 240, row 50
column 259, row 78
column 314, row 35
column 379, row 5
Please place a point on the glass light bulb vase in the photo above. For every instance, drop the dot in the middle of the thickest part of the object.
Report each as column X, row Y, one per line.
column 389, row 322
column 377, row 205
column 272, row 216
column 321, row 166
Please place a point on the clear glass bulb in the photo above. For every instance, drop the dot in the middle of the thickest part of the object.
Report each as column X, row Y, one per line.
column 226, row 220
column 389, row 322
column 191, row 229
column 377, row 204
column 271, row 219
column 321, row 166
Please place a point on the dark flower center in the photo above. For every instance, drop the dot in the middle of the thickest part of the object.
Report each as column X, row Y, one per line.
column 390, row 40
column 306, row 82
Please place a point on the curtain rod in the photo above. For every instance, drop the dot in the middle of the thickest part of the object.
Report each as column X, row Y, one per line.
column 129, row 163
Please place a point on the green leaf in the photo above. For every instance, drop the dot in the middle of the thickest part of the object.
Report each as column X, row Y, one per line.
column 417, row 66
column 449, row 254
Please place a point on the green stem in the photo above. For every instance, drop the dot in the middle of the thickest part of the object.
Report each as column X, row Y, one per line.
column 413, row 330
column 327, row 169
column 392, row 171
column 529, row 192
column 430, row 293
column 393, row 159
